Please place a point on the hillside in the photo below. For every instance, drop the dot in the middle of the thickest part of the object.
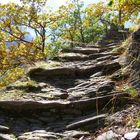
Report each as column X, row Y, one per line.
column 69, row 73
column 74, row 95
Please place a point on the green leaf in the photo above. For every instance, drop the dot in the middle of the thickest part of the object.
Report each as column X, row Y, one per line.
column 138, row 123
column 110, row 3
column 132, row 91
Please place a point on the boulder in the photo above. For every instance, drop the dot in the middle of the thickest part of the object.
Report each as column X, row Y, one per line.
column 4, row 129
column 131, row 135
column 109, row 135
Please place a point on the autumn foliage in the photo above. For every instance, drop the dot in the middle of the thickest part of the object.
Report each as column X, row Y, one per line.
column 52, row 30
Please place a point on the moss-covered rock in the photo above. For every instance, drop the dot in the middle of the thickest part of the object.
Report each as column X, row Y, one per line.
column 133, row 58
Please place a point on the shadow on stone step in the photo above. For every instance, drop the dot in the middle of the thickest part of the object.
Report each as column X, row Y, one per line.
column 64, row 83
column 40, row 74
column 23, row 116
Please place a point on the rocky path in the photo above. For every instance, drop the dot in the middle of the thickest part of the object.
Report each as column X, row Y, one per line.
column 67, row 101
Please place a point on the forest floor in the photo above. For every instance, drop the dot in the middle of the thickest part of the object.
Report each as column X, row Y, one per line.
column 79, row 95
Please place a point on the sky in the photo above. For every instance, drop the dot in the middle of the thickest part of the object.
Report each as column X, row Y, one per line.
column 54, row 4
column 58, row 3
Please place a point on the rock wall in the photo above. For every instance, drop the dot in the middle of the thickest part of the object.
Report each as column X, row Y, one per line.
column 114, row 35
column 133, row 59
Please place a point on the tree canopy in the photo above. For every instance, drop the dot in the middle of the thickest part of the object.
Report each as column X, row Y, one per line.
column 53, row 30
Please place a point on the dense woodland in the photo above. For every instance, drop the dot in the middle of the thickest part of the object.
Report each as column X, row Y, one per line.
column 55, row 30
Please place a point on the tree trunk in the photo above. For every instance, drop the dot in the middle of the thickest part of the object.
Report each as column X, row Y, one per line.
column 82, row 35
column 72, row 39
column 120, row 17
column 43, row 39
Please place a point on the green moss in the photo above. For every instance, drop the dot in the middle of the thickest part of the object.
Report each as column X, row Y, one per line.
column 46, row 65
column 119, row 50
column 12, row 95
column 70, row 54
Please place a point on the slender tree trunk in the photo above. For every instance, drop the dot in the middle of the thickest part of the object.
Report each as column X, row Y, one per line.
column 82, row 35
column 81, row 28
column 120, row 16
column 71, row 39
column 43, row 39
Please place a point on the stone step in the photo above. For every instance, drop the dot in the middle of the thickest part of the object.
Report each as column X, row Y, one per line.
column 52, row 119
column 113, row 44
column 110, row 57
column 92, row 88
column 83, row 122
column 98, row 56
column 71, row 57
column 67, row 89
column 68, row 57
column 45, row 135
column 74, row 71
column 92, row 46
column 105, row 43
column 85, row 53
column 81, row 105
column 82, row 50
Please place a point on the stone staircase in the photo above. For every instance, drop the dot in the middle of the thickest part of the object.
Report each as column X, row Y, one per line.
column 114, row 35
column 68, row 101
